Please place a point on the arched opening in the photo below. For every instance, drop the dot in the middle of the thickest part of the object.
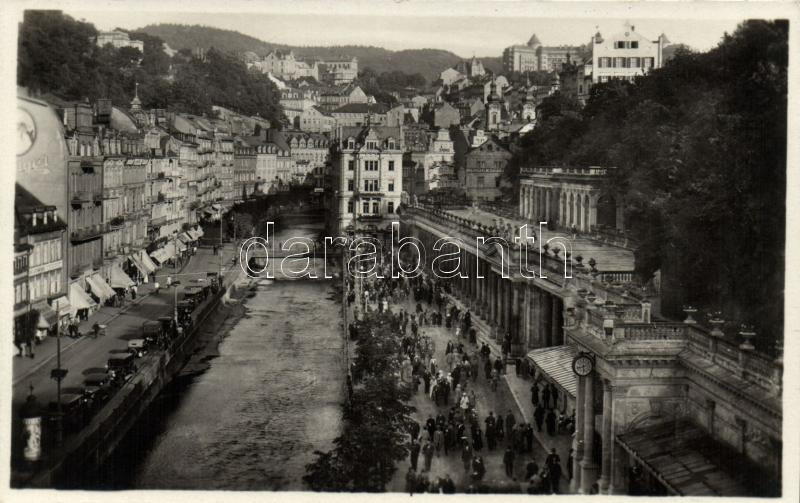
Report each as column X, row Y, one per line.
column 607, row 212
column 296, row 122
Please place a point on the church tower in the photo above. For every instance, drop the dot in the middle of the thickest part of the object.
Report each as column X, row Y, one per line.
column 494, row 105
column 528, row 104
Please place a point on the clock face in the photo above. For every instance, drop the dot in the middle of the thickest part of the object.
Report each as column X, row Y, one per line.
column 582, row 365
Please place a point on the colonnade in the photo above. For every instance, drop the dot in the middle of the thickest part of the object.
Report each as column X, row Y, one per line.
column 532, row 315
column 566, row 207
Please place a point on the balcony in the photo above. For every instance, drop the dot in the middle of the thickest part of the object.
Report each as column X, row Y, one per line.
column 87, row 233
column 118, row 221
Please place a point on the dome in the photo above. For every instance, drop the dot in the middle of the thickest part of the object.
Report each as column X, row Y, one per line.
column 534, row 41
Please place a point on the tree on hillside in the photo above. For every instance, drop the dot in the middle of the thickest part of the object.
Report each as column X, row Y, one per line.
column 699, row 151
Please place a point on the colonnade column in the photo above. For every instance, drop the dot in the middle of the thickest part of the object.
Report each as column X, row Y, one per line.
column 524, row 337
column 577, row 439
column 556, row 330
column 588, row 466
column 608, row 443
column 515, row 301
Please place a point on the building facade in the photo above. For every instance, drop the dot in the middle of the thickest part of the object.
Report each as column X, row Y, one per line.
column 366, row 178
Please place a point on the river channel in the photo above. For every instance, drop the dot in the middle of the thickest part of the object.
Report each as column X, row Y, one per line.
column 253, row 418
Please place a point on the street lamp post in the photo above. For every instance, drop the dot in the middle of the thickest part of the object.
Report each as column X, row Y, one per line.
column 58, row 374
column 176, row 284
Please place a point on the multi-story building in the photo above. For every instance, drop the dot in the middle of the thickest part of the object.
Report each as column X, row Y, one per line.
column 366, row 178
column 341, row 96
column 118, row 39
column 286, row 66
column 338, row 71
column 533, row 56
column 625, row 55
column 360, row 114
column 113, row 212
column 244, row 169
column 41, row 305
column 471, row 69
column 482, row 176
column 310, row 153
column 315, row 120
column 432, row 149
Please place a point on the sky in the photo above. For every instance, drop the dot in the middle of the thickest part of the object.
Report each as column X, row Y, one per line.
column 481, row 29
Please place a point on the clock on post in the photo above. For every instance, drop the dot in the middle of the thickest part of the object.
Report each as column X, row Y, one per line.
column 583, row 364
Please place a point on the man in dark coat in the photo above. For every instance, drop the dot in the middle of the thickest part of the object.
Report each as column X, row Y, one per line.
column 414, row 454
column 553, row 463
column 550, row 421
column 430, row 425
column 546, row 396
column 538, row 416
column 510, row 422
column 508, row 461
column 487, row 369
column 528, row 438
column 413, row 429
column 490, row 432
column 535, row 394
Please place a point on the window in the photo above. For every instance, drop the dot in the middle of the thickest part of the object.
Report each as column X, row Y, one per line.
column 371, row 145
column 376, row 207
column 350, row 206
column 371, row 165
column 371, row 185
column 620, row 62
column 481, row 181
column 391, row 186
column 391, row 165
column 619, row 44
column 350, row 184
column 634, row 44
column 365, row 207
column 635, row 62
column 390, row 207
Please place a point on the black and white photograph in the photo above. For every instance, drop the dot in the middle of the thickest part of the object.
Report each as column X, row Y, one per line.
column 420, row 248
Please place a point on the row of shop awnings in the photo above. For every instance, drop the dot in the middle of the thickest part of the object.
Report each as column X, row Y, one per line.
column 143, row 263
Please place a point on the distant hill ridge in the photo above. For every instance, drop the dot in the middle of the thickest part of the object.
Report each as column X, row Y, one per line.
column 428, row 62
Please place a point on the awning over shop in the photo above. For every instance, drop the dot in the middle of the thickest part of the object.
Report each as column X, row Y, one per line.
column 136, row 259
column 210, row 211
column 556, row 362
column 47, row 317
column 119, row 279
column 100, row 288
column 180, row 245
column 199, row 231
column 78, row 298
column 185, row 238
column 62, row 306
column 193, row 234
column 216, row 207
column 684, row 459
column 146, row 262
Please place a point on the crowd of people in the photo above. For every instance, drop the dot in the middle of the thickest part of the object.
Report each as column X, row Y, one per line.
column 459, row 429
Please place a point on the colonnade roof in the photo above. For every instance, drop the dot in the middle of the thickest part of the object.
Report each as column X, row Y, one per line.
column 607, row 256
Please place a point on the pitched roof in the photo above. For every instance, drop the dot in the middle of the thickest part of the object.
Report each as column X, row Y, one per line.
column 382, row 132
column 26, row 203
column 361, row 108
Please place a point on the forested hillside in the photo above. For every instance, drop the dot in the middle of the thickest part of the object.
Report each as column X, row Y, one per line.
column 57, row 55
column 428, row 62
column 700, row 152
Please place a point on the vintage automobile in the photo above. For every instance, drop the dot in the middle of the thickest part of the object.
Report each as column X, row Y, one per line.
column 138, row 347
column 213, row 281
column 152, row 332
column 121, row 367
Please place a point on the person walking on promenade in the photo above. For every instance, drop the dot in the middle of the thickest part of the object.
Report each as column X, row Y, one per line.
column 553, row 463
column 538, row 416
column 499, row 365
column 510, row 422
column 535, row 394
column 508, row 461
column 438, row 440
column 490, row 431
column 550, row 421
column 487, row 369
column 546, row 396
column 427, row 452
column 466, row 455
column 414, row 454
column 528, row 438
